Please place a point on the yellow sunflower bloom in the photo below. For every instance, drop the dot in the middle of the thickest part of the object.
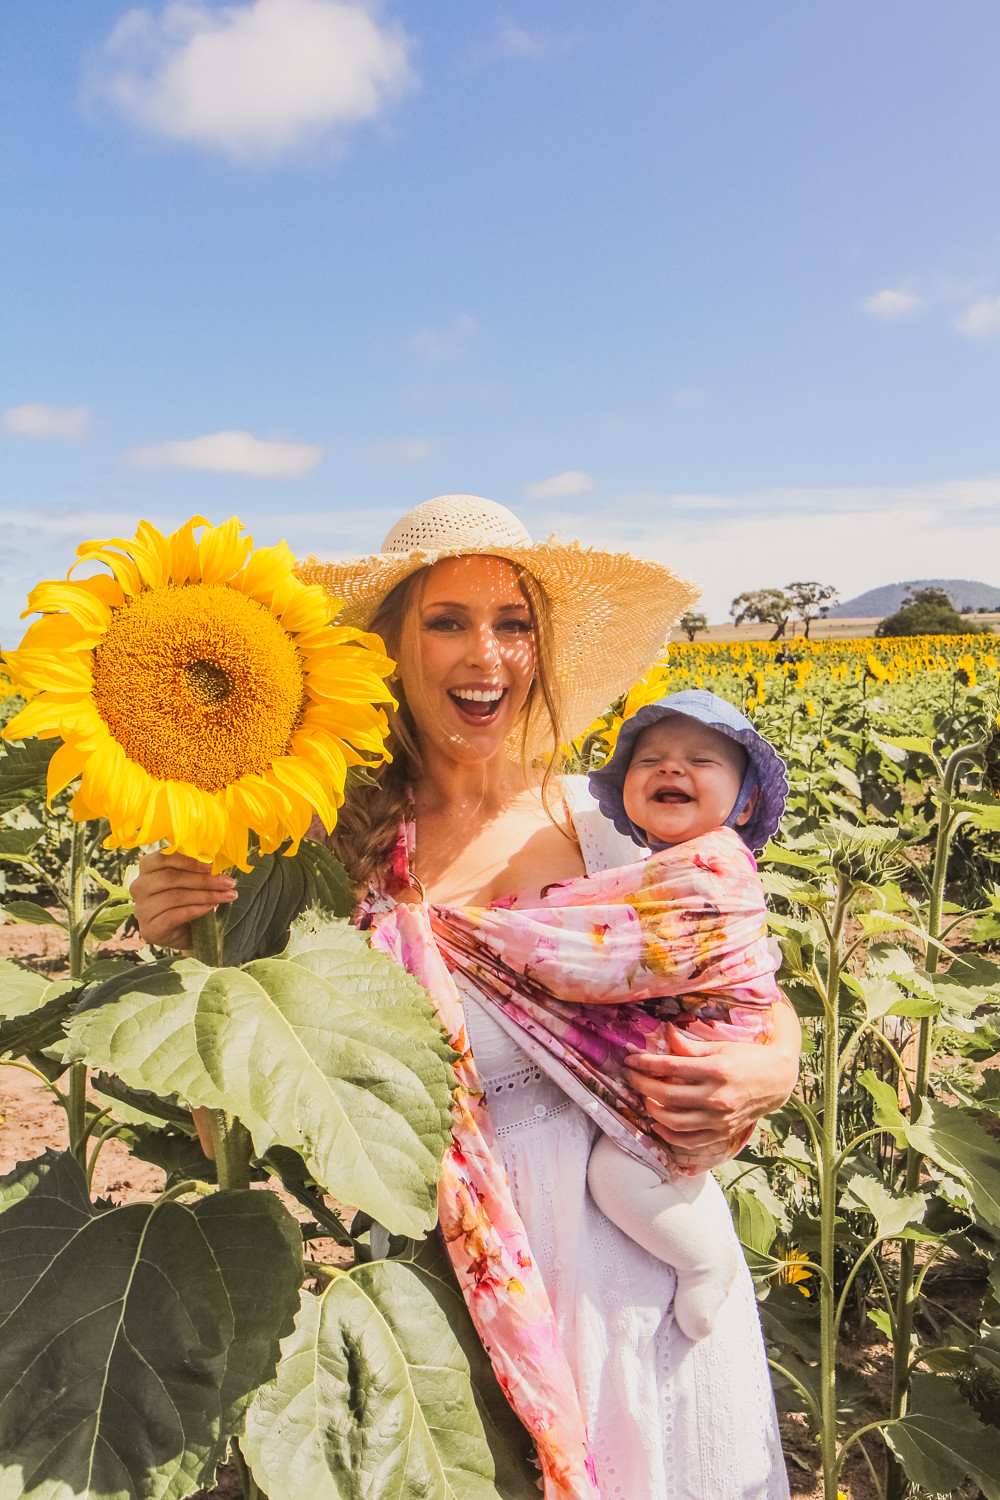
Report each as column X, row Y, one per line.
column 200, row 692
column 795, row 1270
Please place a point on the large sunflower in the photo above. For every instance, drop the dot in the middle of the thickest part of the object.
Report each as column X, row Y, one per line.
column 200, row 692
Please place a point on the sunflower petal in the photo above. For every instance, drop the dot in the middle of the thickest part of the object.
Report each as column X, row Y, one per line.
column 222, row 551
column 45, row 669
column 64, row 767
column 184, row 564
column 151, row 551
column 124, row 569
column 265, row 570
column 306, row 608
column 79, row 602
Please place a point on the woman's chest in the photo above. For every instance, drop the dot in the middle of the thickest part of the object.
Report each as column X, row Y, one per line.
column 515, row 854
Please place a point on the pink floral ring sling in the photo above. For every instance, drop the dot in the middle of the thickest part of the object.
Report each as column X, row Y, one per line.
column 597, row 970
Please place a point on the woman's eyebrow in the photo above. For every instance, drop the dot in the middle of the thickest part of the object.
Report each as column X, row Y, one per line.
column 464, row 605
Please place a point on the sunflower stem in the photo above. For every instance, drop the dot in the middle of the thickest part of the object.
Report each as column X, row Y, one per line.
column 76, row 1098
column 232, row 1143
column 206, row 939
column 230, row 1138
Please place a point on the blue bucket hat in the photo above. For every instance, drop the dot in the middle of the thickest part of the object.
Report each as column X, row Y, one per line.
column 765, row 771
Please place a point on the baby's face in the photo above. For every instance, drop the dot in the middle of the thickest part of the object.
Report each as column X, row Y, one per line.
column 683, row 779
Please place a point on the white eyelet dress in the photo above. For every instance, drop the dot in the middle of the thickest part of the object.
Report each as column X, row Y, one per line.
column 668, row 1419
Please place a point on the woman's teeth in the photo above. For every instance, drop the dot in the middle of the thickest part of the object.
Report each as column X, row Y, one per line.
column 474, row 695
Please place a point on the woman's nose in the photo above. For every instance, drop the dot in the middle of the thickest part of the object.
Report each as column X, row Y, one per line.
column 485, row 650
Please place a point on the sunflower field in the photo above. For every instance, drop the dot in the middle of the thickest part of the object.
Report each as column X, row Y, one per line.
column 868, row 1207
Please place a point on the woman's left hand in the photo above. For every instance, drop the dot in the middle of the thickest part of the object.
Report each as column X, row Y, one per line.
column 706, row 1095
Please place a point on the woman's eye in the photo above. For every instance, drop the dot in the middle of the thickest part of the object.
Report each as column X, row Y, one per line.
column 515, row 627
column 443, row 622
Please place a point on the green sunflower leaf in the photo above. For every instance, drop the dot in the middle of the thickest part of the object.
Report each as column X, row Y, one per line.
column 23, row 768
column 941, row 1441
column 385, row 1389
column 32, row 1008
column 331, row 1050
column 277, row 889
column 953, row 1138
column 132, row 1338
column 109, row 919
column 31, row 913
column 17, row 843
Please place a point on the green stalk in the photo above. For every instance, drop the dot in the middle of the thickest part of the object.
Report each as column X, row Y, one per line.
column 230, row 1137
column 76, row 1099
column 206, row 939
column 907, row 1291
column 828, row 1171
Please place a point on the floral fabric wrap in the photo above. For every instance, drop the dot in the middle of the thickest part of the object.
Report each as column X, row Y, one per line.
column 593, row 973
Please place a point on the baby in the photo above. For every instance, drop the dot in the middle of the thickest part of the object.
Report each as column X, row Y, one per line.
column 682, row 768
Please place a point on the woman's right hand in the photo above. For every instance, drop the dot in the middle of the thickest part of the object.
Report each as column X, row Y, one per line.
column 169, row 891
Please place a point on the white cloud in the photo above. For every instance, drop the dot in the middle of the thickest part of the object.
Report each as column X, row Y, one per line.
column 253, row 80
column 892, row 303
column 981, row 320
column 445, row 342
column 229, row 453
column 408, row 451
column 571, row 482
column 519, row 44
column 39, row 421
column 515, row 41
column 853, row 537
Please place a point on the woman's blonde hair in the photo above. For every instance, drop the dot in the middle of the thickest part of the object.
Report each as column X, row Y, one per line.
column 369, row 820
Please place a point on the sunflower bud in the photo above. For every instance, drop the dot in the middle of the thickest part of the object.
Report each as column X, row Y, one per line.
column 866, row 855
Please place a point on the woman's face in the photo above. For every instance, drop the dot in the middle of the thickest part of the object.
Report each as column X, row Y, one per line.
column 467, row 657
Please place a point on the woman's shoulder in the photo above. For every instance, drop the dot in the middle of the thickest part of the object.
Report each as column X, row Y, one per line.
column 603, row 847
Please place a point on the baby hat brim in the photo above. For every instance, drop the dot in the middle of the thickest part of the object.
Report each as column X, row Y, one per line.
column 608, row 783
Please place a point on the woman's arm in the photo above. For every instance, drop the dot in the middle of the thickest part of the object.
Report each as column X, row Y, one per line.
column 170, row 891
column 705, row 1094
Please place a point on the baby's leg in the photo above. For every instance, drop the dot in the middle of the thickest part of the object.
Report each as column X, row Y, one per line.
column 665, row 1218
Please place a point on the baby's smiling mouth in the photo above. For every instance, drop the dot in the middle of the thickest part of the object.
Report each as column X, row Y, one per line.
column 671, row 796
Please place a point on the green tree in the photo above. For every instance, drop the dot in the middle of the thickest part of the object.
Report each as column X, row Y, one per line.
column 927, row 611
column 810, row 599
column 693, row 621
column 769, row 606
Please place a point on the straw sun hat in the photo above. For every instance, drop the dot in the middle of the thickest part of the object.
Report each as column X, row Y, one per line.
column 611, row 612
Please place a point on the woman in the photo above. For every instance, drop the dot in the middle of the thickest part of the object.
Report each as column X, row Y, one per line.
column 493, row 636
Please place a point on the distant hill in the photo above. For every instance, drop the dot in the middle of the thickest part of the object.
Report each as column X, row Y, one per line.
column 877, row 603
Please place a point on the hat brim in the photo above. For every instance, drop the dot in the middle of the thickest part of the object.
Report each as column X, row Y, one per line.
column 611, row 612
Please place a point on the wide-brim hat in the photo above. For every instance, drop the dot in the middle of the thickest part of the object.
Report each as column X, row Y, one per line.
column 766, row 770
column 611, row 612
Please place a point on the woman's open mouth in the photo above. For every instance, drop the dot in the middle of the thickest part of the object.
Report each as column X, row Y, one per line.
column 478, row 705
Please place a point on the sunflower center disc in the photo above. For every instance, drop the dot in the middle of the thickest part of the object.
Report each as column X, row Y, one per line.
column 207, row 682
column 198, row 683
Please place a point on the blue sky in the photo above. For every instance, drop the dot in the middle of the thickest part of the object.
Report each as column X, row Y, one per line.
column 711, row 280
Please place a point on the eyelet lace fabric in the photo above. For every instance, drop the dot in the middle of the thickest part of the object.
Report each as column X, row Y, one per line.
column 668, row 1420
